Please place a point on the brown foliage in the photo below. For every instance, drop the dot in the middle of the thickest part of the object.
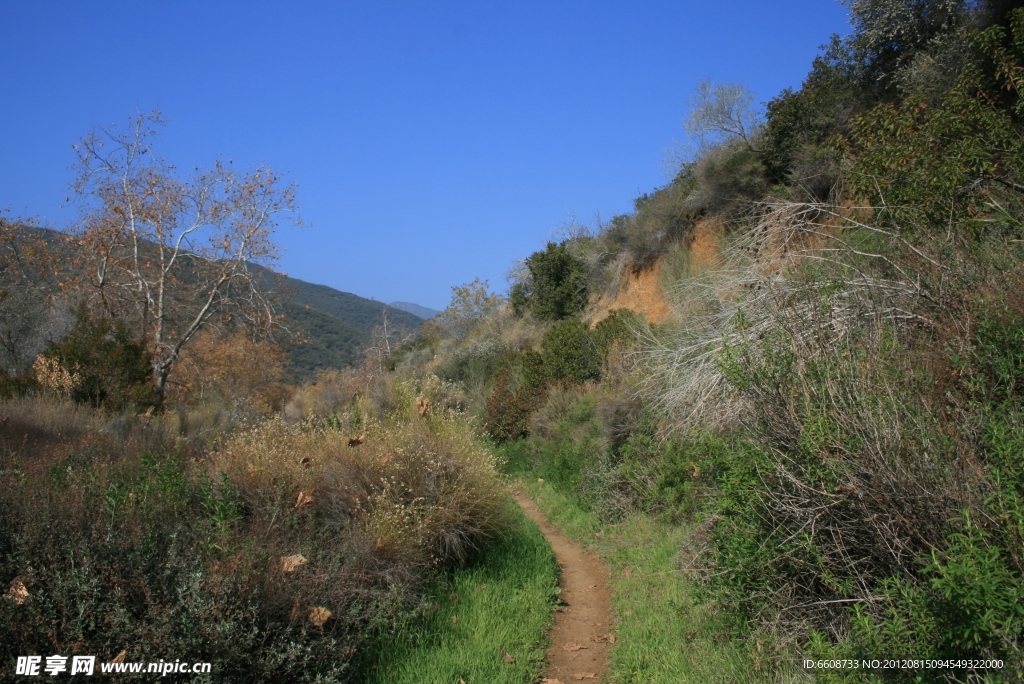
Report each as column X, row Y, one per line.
column 234, row 369
column 171, row 255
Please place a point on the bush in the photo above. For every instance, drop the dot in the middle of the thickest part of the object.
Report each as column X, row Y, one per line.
column 113, row 369
column 571, row 353
column 620, row 327
column 163, row 555
column 727, row 179
column 16, row 385
column 557, row 287
column 475, row 364
column 509, row 408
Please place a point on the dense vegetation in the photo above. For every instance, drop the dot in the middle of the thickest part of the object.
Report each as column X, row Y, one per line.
column 818, row 454
column 835, row 411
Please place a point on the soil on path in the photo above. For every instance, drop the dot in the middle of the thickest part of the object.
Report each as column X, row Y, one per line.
column 582, row 632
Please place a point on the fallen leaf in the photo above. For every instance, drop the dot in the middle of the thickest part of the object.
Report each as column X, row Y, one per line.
column 508, row 658
column 588, row 675
column 592, row 586
column 545, row 680
column 356, row 441
column 540, row 479
column 422, row 406
column 481, row 587
column 119, row 658
column 599, row 639
column 296, row 611
column 454, row 596
column 455, row 618
column 611, row 638
column 574, row 647
column 318, row 615
column 305, row 498
column 306, row 462
column 292, row 563
column 17, row 592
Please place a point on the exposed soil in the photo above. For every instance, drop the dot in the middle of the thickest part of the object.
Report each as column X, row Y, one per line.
column 582, row 633
column 640, row 292
column 704, row 252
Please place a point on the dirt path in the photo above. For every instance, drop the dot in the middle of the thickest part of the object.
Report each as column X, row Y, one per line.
column 581, row 635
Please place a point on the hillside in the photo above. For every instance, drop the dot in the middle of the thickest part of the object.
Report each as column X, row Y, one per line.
column 333, row 327
column 776, row 411
column 415, row 309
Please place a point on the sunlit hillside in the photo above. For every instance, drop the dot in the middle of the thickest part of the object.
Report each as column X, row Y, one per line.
column 777, row 408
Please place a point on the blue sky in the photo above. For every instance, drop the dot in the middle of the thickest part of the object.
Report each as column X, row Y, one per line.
column 432, row 142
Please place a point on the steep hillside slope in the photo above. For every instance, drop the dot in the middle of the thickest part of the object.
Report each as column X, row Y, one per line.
column 330, row 328
column 415, row 309
column 334, row 326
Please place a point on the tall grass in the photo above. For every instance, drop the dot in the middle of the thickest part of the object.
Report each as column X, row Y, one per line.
column 851, row 363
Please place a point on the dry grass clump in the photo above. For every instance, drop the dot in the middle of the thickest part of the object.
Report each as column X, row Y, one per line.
column 331, row 390
column 811, row 270
column 421, row 490
column 46, row 428
column 815, row 336
column 275, row 550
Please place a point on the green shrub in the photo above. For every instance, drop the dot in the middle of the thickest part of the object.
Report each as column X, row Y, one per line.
column 949, row 161
column 660, row 219
column 557, row 287
column 619, row 326
column 113, row 369
column 727, row 178
column 570, row 352
column 477, row 363
column 16, row 385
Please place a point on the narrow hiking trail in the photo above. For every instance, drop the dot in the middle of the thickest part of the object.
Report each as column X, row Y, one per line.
column 582, row 632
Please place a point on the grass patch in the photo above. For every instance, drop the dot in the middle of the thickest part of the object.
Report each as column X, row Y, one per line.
column 502, row 600
column 667, row 630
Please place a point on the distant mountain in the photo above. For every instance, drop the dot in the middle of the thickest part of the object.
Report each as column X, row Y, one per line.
column 335, row 326
column 423, row 312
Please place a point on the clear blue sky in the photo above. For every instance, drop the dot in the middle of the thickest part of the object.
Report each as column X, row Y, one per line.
column 432, row 142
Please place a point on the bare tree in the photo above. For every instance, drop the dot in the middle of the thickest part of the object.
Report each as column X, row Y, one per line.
column 172, row 255
column 720, row 112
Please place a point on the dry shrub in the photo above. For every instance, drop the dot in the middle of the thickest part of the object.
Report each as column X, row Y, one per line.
column 234, row 369
column 417, row 491
column 54, row 378
column 816, row 336
column 125, row 538
column 331, row 391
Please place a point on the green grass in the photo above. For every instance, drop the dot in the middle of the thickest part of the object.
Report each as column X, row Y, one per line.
column 667, row 629
column 503, row 600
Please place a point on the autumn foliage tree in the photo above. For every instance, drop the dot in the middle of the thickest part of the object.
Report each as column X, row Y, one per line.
column 171, row 255
column 235, row 369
